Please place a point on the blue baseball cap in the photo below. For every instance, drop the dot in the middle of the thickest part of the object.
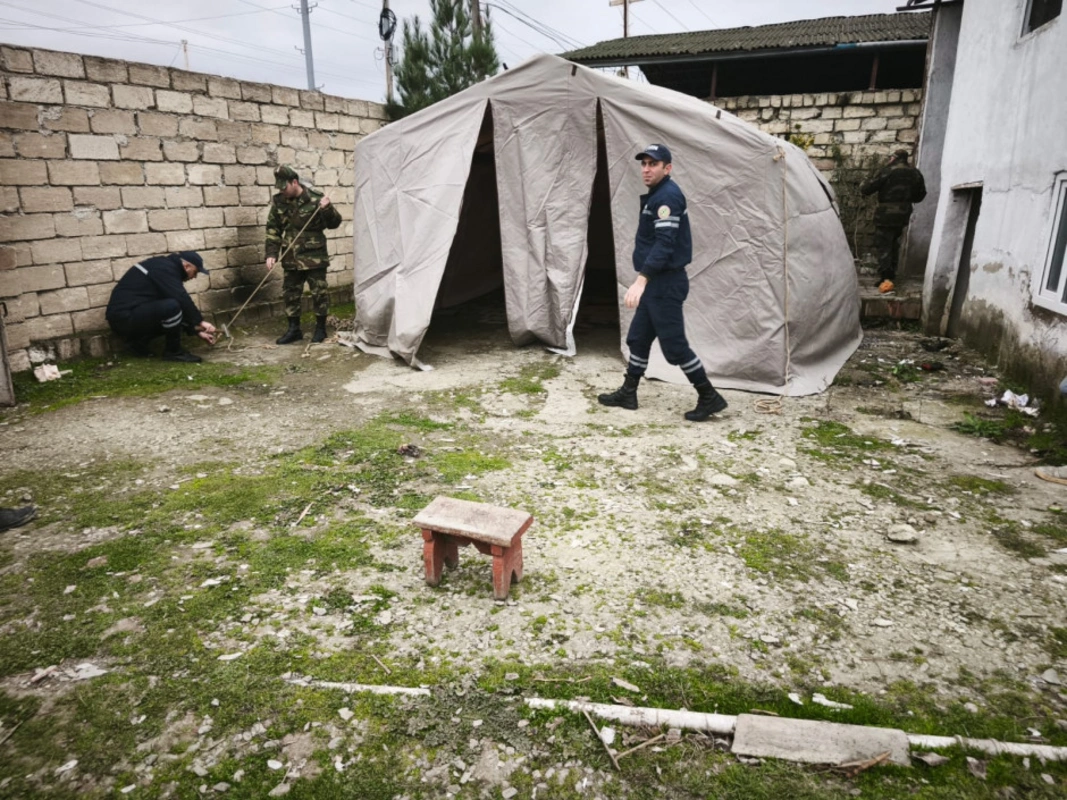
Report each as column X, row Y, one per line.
column 193, row 258
column 657, row 152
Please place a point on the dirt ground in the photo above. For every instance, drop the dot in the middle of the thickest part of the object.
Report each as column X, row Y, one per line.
column 757, row 540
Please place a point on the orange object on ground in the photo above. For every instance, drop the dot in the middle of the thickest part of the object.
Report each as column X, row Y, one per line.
column 886, row 286
column 448, row 524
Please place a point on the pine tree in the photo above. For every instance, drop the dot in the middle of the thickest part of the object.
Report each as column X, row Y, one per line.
column 446, row 60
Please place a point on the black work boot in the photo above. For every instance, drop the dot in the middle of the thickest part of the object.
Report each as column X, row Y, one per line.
column 320, row 330
column 623, row 397
column 294, row 334
column 13, row 517
column 173, row 351
column 709, row 402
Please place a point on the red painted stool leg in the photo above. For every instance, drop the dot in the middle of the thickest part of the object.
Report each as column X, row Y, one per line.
column 433, row 554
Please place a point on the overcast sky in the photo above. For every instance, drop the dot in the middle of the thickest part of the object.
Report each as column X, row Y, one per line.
column 257, row 40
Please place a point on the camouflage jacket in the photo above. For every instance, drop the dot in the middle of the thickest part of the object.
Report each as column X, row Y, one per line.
column 284, row 222
column 898, row 186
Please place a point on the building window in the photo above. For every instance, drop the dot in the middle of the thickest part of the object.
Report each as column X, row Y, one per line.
column 1052, row 291
column 1041, row 12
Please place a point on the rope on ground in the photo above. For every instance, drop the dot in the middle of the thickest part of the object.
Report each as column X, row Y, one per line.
column 768, row 405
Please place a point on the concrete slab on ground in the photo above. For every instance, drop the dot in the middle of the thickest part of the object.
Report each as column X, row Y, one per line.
column 816, row 742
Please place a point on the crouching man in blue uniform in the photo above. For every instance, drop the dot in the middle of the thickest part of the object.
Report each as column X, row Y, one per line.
column 150, row 300
column 663, row 248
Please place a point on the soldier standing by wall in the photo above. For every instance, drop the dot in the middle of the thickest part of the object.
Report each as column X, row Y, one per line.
column 306, row 258
column 898, row 185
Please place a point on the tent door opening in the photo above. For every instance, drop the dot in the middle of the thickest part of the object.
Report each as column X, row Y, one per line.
column 475, row 266
column 598, row 305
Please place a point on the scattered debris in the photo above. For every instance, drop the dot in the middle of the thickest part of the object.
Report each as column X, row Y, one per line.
column 902, row 534
column 976, row 767
column 48, row 372
column 410, row 450
column 820, row 699
column 930, row 759
column 626, row 685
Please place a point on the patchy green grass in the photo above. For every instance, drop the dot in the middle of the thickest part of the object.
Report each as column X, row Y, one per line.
column 531, row 378
column 1009, row 537
column 980, row 486
column 787, row 555
column 1056, row 530
column 837, row 444
column 94, row 379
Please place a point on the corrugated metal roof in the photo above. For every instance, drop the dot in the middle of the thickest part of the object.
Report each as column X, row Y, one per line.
column 825, row 32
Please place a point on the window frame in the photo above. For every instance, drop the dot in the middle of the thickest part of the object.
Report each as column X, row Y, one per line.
column 1027, row 14
column 1054, row 299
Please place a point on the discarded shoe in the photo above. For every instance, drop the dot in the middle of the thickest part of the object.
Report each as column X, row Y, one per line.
column 886, row 286
column 13, row 517
column 1052, row 474
column 184, row 356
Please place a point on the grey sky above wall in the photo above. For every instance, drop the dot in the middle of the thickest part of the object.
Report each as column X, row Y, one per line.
column 260, row 40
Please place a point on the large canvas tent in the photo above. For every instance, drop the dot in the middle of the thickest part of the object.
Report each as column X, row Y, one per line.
column 527, row 178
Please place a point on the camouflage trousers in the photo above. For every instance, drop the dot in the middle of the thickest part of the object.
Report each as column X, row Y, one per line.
column 887, row 248
column 293, row 288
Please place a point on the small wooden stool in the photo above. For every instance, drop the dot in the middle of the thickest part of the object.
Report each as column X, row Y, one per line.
column 448, row 524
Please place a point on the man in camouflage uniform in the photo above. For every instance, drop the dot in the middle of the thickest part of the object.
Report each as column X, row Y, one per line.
column 898, row 185
column 307, row 259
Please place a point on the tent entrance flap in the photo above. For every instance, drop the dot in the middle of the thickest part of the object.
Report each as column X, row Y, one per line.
column 598, row 306
column 475, row 265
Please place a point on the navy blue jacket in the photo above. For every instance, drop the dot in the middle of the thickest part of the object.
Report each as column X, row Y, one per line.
column 153, row 279
column 664, row 243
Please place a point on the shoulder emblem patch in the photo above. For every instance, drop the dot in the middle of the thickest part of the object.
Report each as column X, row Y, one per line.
column 664, row 212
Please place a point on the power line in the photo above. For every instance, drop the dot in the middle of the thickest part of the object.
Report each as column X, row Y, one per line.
column 669, row 14
column 558, row 36
column 698, row 8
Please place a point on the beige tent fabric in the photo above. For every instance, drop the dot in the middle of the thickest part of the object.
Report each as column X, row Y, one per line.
column 773, row 304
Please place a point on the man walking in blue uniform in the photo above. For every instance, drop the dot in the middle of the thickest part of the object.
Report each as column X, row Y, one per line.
column 663, row 248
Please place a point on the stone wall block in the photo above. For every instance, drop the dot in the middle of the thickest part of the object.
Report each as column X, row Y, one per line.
column 184, row 196
column 235, row 133
column 900, row 123
column 126, row 173
column 219, row 238
column 136, row 98
column 234, row 175
column 63, row 65
column 99, row 293
column 221, row 196
column 241, row 215
column 909, row 136
column 284, row 96
column 311, row 100
column 275, row 115
column 142, row 149
column 171, row 220
column 204, row 130
column 223, row 87
column 21, row 308
column 125, row 221
column 38, row 279
column 45, row 199
column 94, row 148
column 174, row 102
column 264, row 134
column 55, row 251
column 377, row 111
column 166, row 174
column 205, row 217
column 370, row 125
column 94, row 319
column 334, row 105
column 144, row 197
column 219, row 154
column 36, row 90
column 141, row 245
column 102, row 198
column 80, row 222
column 244, row 112
column 148, row 75
column 185, row 240
column 255, row 195
column 256, row 92
column 74, row 120
column 19, row 116
column 210, row 107
column 874, row 124
column 327, row 122
column 84, row 273
column 252, row 155
column 50, row 327
column 97, row 247
column 296, row 139
column 155, row 124
column 205, row 174
column 14, row 60
column 181, row 151
column 350, row 124
column 251, row 254
column 188, row 81
column 302, row 119
column 80, row 93
column 21, row 227
column 120, row 122
column 37, row 145
column 64, row 300
column 847, row 125
column 106, row 70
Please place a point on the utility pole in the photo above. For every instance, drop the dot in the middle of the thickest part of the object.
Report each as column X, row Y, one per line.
column 185, row 53
column 476, row 17
column 625, row 24
column 386, row 29
column 305, row 14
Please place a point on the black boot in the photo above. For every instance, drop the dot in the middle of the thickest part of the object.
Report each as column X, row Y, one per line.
column 13, row 517
column 623, row 397
column 320, row 330
column 709, row 402
column 172, row 349
column 294, row 334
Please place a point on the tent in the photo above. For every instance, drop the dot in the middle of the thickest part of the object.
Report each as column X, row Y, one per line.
column 529, row 178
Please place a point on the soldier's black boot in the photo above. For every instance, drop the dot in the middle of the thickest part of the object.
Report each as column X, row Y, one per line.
column 709, row 402
column 623, row 397
column 294, row 334
column 320, row 330
column 13, row 517
column 172, row 349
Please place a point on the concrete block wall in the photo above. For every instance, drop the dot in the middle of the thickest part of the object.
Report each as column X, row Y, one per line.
column 105, row 162
column 858, row 123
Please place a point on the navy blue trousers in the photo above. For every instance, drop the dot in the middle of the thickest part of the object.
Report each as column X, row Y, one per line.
column 659, row 316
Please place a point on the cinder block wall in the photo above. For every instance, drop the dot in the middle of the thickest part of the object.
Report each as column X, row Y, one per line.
column 104, row 162
column 859, row 123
